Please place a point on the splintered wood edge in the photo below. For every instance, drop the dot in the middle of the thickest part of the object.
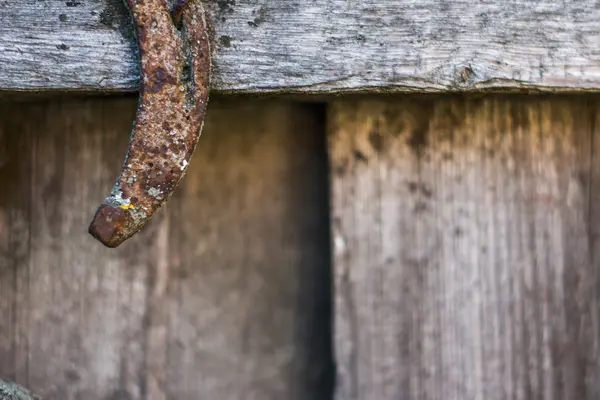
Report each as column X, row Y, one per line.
column 328, row 46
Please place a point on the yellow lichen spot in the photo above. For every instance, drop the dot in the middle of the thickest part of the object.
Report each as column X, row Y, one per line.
column 126, row 206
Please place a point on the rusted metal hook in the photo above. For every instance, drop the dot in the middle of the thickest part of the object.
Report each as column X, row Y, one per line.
column 175, row 74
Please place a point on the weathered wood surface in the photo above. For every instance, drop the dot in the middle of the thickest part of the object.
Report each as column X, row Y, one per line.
column 225, row 295
column 317, row 46
column 466, row 247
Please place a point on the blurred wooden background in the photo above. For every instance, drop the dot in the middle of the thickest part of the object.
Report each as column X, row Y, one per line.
column 465, row 233
column 400, row 247
column 226, row 295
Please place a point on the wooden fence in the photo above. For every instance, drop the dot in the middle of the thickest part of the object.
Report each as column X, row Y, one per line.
column 438, row 245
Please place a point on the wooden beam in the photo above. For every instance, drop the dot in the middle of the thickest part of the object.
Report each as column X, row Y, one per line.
column 319, row 46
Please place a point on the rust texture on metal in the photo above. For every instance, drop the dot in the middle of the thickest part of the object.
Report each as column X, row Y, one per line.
column 12, row 391
column 175, row 72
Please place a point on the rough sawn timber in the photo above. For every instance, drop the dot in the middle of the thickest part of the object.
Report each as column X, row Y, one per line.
column 318, row 46
column 466, row 247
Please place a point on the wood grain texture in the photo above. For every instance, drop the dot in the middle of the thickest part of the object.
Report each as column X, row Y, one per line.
column 224, row 295
column 318, row 46
column 466, row 247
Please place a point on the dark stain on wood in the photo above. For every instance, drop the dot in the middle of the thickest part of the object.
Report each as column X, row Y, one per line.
column 376, row 139
column 419, row 115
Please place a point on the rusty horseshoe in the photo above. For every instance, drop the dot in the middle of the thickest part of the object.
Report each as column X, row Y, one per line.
column 175, row 65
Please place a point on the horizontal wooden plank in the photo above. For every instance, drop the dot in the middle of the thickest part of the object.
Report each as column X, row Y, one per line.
column 319, row 46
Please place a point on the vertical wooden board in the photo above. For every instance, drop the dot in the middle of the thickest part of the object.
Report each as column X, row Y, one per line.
column 592, row 283
column 154, row 318
column 83, row 304
column 15, row 216
column 463, row 247
column 249, row 246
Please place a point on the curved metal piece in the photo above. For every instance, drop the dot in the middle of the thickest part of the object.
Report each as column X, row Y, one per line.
column 175, row 74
